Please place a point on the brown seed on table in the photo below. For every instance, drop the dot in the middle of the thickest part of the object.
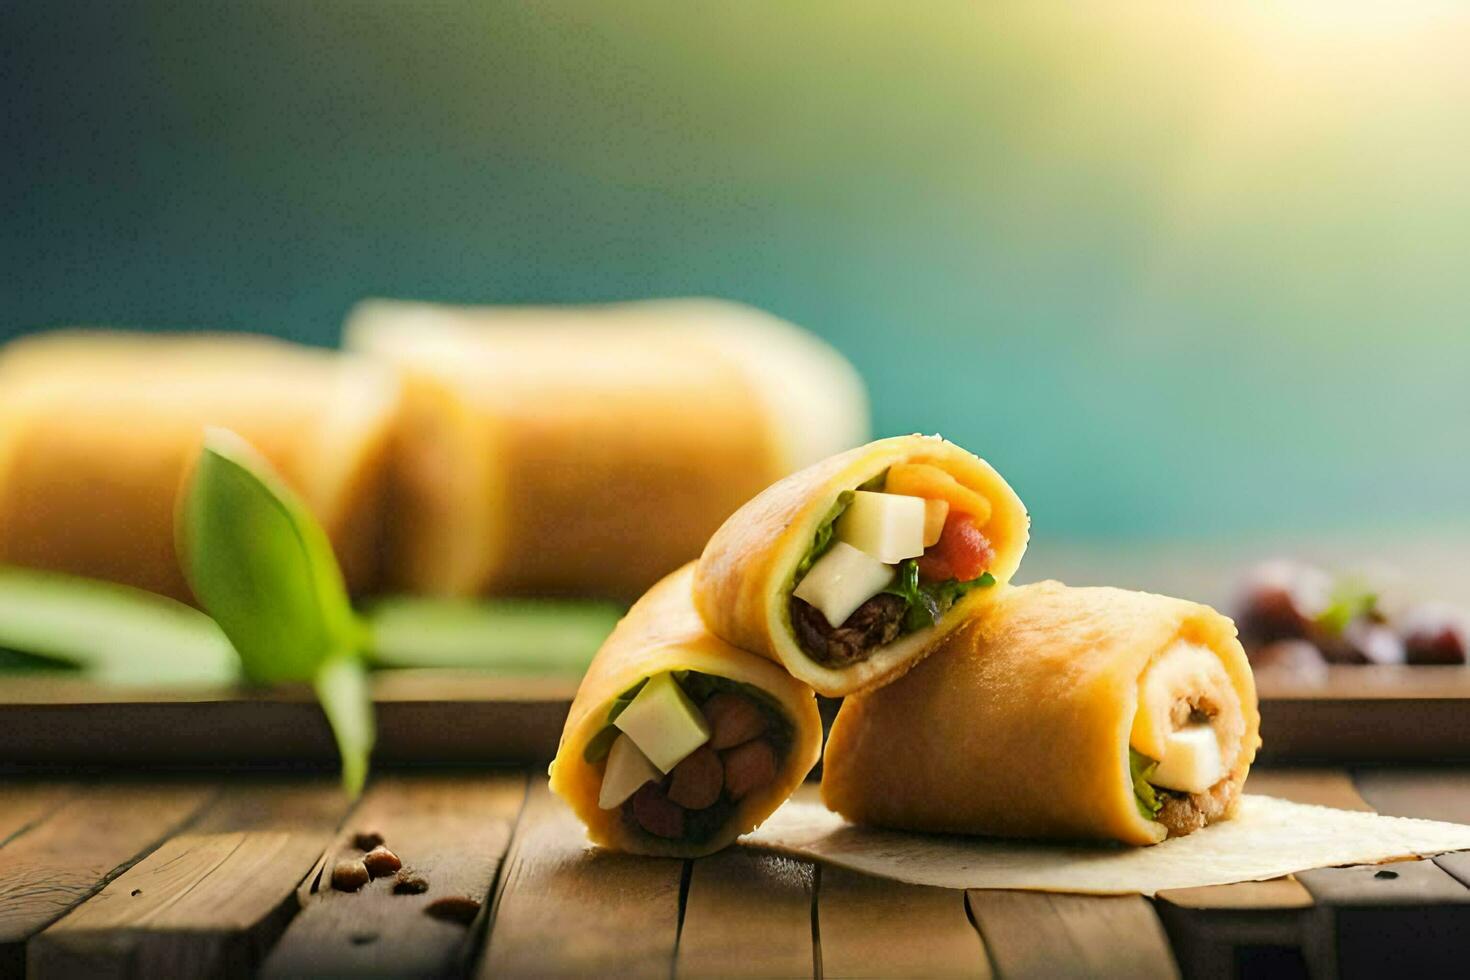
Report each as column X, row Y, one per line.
column 748, row 767
column 349, row 874
column 366, row 840
column 409, row 882
column 455, row 908
column 733, row 719
column 655, row 814
column 381, row 862
column 698, row 779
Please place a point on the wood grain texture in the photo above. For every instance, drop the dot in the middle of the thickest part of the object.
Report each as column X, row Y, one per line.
column 1429, row 794
column 1211, row 928
column 875, row 927
column 92, row 836
column 565, row 908
column 25, row 802
column 747, row 914
column 1318, row 786
column 454, row 830
column 1041, row 935
column 1408, row 918
column 210, row 900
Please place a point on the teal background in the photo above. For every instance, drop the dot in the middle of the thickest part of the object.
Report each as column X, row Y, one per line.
column 1176, row 271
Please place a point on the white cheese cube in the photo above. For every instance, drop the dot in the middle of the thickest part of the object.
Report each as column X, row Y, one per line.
column 1191, row 762
column 843, row 579
column 627, row 770
column 663, row 722
column 936, row 512
column 888, row 526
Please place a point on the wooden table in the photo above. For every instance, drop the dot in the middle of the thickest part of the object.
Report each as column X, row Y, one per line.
column 210, row 875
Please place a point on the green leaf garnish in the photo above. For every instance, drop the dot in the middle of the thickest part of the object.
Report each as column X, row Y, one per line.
column 110, row 633
column 341, row 685
column 927, row 602
column 509, row 636
column 1141, row 767
column 263, row 567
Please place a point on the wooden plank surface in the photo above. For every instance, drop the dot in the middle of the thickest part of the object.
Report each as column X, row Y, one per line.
column 1213, row 928
column 566, row 909
column 1332, row 787
column 1041, row 935
column 876, row 927
column 68, row 854
column 25, row 802
column 453, row 830
column 210, row 900
column 497, row 720
column 747, row 914
column 1409, row 918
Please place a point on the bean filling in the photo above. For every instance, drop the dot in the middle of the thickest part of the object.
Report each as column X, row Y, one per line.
column 694, row 800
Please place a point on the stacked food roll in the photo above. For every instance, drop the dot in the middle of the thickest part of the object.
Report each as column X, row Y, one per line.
column 1056, row 712
column 678, row 742
column 834, row 578
column 848, row 571
column 98, row 431
column 591, row 449
column 882, row 575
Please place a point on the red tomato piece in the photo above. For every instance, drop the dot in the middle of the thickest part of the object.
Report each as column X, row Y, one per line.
column 961, row 552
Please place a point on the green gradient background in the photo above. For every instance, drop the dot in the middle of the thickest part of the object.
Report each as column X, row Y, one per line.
column 1175, row 273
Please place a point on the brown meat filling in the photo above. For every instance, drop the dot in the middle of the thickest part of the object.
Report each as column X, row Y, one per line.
column 1184, row 813
column 874, row 624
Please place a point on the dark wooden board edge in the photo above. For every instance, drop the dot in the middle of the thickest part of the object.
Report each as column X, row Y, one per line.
column 422, row 717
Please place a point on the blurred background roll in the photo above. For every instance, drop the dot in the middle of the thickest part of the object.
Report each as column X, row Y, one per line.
column 591, row 449
column 98, row 431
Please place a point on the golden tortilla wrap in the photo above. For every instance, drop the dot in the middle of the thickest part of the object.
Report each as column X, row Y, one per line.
column 662, row 632
column 591, row 450
column 745, row 576
column 98, row 431
column 1019, row 724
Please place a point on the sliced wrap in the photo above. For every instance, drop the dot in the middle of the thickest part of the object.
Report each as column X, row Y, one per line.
column 745, row 579
column 1032, row 720
column 98, row 429
column 661, row 634
column 591, row 449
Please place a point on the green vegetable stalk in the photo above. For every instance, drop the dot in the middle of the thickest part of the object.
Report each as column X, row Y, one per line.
column 262, row 566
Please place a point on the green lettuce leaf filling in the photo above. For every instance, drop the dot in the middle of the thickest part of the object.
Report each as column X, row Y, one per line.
column 928, row 601
column 822, row 540
column 1141, row 767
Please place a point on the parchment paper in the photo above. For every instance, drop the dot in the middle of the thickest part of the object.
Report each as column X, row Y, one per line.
column 1267, row 839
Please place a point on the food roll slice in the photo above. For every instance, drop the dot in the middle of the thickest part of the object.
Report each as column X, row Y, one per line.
column 98, row 430
column 591, row 449
column 848, row 571
column 1079, row 713
column 677, row 742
